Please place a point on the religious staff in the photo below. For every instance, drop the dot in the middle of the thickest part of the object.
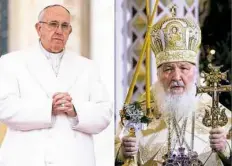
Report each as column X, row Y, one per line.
column 52, row 100
column 178, row 136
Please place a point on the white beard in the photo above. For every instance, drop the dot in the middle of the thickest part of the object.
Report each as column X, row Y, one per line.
column 181, row 105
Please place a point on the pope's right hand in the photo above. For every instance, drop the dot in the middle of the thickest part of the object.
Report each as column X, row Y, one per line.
column 129, row 146
column 59, row 99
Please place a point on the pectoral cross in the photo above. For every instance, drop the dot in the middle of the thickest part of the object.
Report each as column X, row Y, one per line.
column 217, row 117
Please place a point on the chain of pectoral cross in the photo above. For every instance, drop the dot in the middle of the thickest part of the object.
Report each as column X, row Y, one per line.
column 180, row 133
column 213, row 79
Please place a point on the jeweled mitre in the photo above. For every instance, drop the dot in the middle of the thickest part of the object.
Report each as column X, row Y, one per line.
column 175, row 39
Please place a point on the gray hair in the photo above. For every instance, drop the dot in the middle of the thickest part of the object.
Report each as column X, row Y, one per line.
column 41, row 13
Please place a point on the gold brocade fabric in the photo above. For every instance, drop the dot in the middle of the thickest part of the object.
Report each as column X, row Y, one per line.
column 153, row 140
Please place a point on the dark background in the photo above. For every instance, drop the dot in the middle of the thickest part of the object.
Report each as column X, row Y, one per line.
column 216, row 34
column 3, row 26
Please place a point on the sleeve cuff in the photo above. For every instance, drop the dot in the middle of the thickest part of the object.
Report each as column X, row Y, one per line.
column 226, row 152
column 74, row 121
column 53, row 120
column 120, row 156
column 119, row 153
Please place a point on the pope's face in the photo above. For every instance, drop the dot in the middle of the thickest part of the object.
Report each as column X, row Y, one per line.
column 52, row 36
column 177, row 77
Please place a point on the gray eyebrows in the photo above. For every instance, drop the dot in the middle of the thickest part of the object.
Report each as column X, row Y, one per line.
column 41, row 13
column 160, row 71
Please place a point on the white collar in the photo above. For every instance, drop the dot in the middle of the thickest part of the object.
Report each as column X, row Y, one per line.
column 50, row 55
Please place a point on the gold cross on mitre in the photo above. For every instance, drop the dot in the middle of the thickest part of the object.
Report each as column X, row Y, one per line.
column 172, row 7
column 217, row 117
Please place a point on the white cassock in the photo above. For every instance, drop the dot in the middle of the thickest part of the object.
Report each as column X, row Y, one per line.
column 36, row 138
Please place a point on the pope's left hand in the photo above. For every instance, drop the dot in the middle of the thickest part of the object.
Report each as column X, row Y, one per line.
column 217, row 139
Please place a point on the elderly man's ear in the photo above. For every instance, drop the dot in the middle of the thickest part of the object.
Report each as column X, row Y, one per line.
column 70, row 30
column 37, row 27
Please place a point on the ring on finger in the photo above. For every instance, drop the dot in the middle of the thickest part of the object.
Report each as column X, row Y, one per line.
column 62, row 105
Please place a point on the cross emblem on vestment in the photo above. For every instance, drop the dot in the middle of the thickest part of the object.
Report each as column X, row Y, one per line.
column 216, row 117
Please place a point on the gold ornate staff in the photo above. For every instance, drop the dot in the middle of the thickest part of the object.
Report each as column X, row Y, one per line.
column 216, row 117
column 136, row 116
column 131, row 161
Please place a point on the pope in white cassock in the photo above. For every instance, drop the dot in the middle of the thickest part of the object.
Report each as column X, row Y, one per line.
column 178, row 112
column 51, row 100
